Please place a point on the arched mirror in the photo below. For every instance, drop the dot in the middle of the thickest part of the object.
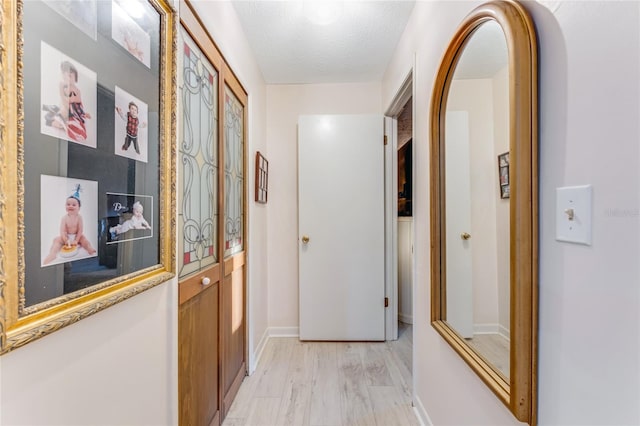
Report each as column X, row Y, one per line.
column 484, row 202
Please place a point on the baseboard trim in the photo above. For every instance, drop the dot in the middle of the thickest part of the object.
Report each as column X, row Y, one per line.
column 407, row 319
column 284, row 331
column 421, row 412
column 268, row 333
column 491, row 329
column 485, row 328
column 504, row 332
column 257, row 354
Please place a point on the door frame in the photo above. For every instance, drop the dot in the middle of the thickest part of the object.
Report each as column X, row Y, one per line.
column 403, row 94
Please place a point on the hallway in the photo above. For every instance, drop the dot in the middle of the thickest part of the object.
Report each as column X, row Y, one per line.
column 329, row 383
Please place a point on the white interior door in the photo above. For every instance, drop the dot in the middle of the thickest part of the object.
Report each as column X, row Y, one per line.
column 391, row 227
column 341, row 212
column 459, row 294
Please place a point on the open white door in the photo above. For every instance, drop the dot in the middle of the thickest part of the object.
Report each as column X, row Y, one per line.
column 391, row 226
column 341, row 227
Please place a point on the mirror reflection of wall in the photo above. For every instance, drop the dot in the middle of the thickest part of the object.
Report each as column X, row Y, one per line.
column 478, row 302
column 405, row 161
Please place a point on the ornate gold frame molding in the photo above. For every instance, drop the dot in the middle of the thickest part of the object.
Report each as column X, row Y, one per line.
column 20, row 325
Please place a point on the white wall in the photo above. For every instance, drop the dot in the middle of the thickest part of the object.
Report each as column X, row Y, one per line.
column 589, row 296
column 119, row 366
column 116, row 367
column 284, row 104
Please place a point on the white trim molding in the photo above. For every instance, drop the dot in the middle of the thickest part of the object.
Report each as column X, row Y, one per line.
column 407, row 319
column 492, row 329
column 258, row 352
column 284, row 331
column 421, row 412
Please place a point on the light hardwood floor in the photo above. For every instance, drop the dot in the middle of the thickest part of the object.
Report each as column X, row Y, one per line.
column 494, row 348
column 328, row 384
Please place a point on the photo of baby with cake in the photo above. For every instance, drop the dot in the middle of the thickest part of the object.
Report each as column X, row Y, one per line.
column 72, row 239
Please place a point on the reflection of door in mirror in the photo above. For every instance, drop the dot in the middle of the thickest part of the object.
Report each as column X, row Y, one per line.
column 458, row 203
column 477, row 218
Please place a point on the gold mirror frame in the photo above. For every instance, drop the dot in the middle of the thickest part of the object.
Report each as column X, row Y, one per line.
column 20, row 325
column 519, row 391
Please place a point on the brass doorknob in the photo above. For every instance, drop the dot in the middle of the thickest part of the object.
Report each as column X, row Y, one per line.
column 305, row 239
column 465, row 236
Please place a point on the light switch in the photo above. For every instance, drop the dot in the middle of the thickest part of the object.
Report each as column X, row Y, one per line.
column 573, row 214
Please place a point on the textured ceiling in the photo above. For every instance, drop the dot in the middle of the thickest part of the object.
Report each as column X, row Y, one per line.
column 356, row 46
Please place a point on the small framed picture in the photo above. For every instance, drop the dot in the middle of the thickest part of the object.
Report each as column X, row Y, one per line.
column 262, row 177
column 503, row 174
column 129, row 217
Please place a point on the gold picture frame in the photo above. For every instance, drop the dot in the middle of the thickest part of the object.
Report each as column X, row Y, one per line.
column 76, row 80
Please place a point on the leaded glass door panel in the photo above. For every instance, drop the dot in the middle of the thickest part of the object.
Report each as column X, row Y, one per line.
column 198, row 177
column 233, row 174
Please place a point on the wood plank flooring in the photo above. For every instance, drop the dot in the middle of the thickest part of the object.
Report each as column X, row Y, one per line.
column 494, row 348
column 328, row 384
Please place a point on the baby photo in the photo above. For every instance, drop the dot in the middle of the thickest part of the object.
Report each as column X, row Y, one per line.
column 131, row 135
column 129, row 217
column 81, row 13
column 68, row 98
column 127, row 33
column 68, row 218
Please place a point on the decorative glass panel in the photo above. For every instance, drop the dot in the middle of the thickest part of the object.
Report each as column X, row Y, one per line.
column 198, row 182
column 233, row 173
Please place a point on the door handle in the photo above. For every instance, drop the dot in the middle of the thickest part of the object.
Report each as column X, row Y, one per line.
column 205, row 281
column 465, row 236
column 305, row 239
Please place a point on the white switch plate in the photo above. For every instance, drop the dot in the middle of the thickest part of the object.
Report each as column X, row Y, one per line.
column 573, row 214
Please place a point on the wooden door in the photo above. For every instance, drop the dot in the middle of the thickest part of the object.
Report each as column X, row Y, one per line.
column 199, row 204
column 233, row 293
column 341, row 227
column 198, row 378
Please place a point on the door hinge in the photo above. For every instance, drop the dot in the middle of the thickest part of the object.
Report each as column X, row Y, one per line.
column 385, row 139
column 386, row 302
